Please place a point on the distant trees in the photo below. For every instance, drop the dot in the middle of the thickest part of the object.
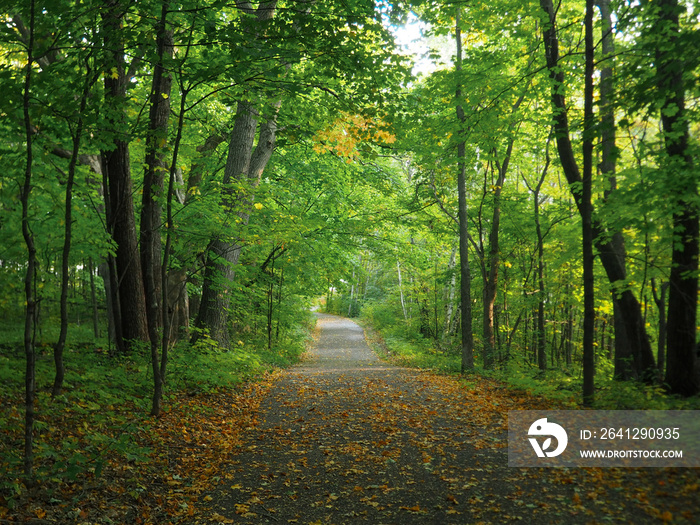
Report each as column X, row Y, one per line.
column 605, row 97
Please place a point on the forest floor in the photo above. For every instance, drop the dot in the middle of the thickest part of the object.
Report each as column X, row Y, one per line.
column 341, row 438
column 346, row 438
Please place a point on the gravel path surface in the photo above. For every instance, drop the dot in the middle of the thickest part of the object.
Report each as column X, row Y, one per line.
column 341, row 348
column 345, row 438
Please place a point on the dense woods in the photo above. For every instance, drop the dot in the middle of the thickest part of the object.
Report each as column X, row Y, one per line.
column 182, row 180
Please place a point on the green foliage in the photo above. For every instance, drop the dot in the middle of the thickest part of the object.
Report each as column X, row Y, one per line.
column 101, row 392
column 106, row 397
column 562, row 386
column 357, row 204
column 394, row 340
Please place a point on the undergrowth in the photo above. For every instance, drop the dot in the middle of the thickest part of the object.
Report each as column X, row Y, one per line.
column 563, row 386
column 100, row 420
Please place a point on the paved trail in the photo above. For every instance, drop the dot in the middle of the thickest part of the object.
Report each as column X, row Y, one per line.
column 344, row 438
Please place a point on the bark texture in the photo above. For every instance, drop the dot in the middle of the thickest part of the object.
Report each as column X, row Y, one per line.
column 464, row 270
column 119, row 190
column 623, row 359
column 245, row 162
column 153, row 182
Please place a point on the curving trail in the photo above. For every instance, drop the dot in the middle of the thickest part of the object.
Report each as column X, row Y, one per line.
column 345, row 438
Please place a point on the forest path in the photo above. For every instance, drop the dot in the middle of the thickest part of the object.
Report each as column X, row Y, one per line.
column 346, row 438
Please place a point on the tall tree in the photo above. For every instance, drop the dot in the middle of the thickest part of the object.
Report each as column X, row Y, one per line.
column 586, row 206
column 464, row 271
column 624, row 368
column 244, row 164
column 77, row 137
column 681, row 375
column 491, row 262
column 541, row 338
column 490, row 257
column 30, row 276
column 129, row 292
column 152, row 209
column 342, row 62
column 630, row 307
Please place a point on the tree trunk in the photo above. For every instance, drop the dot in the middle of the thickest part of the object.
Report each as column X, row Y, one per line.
column 93, row 300
column 245, row 165
column 68, row 233
column 271, row 303
column 153, row 181
column 464, row 271
column 352, row 292
column 403, row 302
column 681, row 375
column 491, row 282
column 116, row 167
column 569, row 312
column 660, row 301
column 178, row 299
column 30, row 277
column 436, row 329
column 152, row 210
column 623, row 360
column 65, row 259
column 492, row 266
column 223, row 255
column 279, row 305
column 587, row 217
column 541, row 339
column 609, row 257
column 94, row 162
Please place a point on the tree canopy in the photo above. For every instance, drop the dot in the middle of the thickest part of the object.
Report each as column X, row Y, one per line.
column 184, row 178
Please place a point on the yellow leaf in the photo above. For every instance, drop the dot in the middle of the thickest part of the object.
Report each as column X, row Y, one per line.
column 258, row 206
column 164, row 95
column 114, row 73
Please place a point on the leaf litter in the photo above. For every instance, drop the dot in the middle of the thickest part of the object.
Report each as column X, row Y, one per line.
column 343, row 438
column 347, row 439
